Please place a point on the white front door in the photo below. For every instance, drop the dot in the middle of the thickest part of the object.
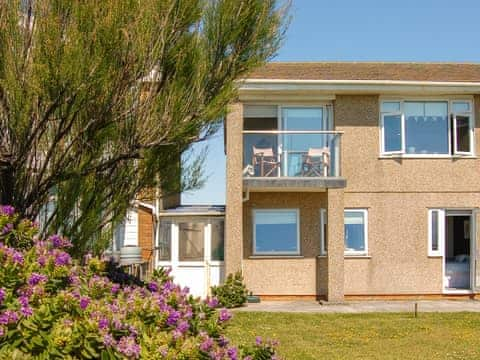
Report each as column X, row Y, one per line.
column 196, row 254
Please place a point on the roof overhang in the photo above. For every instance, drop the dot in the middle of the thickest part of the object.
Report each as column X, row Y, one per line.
column 306, row 90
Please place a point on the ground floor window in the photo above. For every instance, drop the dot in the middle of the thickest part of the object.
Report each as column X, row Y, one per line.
column 165, row 241
column 217, row 250
column 436, row 232
column 191, row 241
column 323, row 232
column 276, row 232
column 356, row 231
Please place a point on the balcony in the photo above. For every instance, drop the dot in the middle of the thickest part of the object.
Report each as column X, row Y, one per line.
column 291, row 160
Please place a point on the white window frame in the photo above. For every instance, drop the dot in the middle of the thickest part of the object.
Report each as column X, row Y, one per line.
column 275, row 253
column 451, row 131
column 440, row 231
column 365, row 232
column 382, row 127
column 176, row 242
column 326, row 119
column 468, row 114
column 323, row 222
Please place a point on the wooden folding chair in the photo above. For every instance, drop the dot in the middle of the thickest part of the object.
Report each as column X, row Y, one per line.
column 266, row 159
column 316, row 162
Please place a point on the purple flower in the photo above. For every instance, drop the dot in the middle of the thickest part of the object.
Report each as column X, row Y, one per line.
column 232, row 353
column 108, row 340
column 74, row 279
column 23, row 300
column 3, row 294
column 183, row 326
column 168, row 286
column 42, row 260
column 133, row 331
column 258, row 340
column 128, row 347
column 117, row 324
column 7, row 228
column 206, row 344
column 176, row 334
column 62, row 258
column 26, row 311
column 59, row 242
column 222, row 341
column 224, row 315
column 17, row 257
column 173, row 317
column 153, row 287
column 36, row 278
column 115, row 288
column 84, row 302
column 56, row 240
column 103, row 323
column 212, row 302
column 8, row 317
column 7, row 210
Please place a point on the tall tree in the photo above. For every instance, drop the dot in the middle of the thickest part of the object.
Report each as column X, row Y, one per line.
column 99, row 98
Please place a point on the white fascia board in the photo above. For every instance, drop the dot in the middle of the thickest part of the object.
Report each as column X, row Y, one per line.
column 145, row 205
column 253, row 86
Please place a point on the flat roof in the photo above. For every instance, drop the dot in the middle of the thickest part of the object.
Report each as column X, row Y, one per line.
column 193, row 210
column 375, row 71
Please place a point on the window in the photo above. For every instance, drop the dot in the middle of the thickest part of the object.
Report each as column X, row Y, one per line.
column 217, row 253
column 165, row 241
column 295, row 146
column 356, row 234
column 276, row 232
column 417, row 128
column 259, row 118
column 323, row 232
column 462, row 128
column 191, row 241
column 436, row 232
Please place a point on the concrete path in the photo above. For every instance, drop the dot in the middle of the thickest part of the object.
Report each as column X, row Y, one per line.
column 365, row 306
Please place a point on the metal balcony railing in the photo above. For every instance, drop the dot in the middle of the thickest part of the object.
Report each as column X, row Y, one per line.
column 277, row 153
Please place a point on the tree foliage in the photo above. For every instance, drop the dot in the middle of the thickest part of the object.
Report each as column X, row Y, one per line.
column 98, row 99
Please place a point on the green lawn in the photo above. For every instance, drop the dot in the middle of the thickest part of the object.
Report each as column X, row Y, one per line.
column 363, row 336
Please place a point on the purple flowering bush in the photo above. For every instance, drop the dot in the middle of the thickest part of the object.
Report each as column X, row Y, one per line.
column 51, row 307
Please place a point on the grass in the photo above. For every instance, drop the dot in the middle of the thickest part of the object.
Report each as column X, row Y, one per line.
column 363, row 336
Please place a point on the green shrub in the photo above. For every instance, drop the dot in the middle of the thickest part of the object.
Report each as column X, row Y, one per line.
column 233, row 293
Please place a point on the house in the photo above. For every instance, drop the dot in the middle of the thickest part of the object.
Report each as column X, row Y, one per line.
column 344, row 181
column 355, row 180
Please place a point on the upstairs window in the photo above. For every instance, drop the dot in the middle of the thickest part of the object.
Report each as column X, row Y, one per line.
column 419, row 128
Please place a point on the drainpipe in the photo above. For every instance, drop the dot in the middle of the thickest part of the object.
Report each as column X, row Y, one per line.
column 156, row 238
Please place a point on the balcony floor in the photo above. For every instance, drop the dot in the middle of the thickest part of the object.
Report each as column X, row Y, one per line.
column 292, row 183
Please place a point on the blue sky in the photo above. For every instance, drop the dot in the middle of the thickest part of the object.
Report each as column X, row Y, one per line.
column 368, row 30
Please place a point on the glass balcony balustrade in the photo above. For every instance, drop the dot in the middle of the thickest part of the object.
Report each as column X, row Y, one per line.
column 275, row 153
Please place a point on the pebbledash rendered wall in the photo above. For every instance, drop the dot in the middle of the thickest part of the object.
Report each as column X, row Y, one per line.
column 304, row 275
column 396, row 192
